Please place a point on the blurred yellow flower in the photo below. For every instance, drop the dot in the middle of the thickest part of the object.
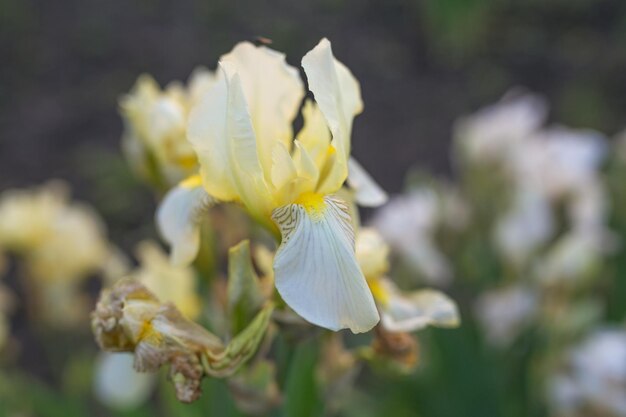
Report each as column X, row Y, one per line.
column 27, row 217
column 60, row 241
column 175, row 284
column 154, row 138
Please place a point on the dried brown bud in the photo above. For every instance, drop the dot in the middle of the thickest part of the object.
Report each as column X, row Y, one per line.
column 400, row 347
column 106, row 319
column 130, row 318
column 186, row 373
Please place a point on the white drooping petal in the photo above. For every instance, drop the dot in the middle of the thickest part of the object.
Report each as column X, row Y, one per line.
column 407, row 312
column 336, row 92
column 221, row 131
column 178, row 219
column 273, row 91
column 315, row 266
column 367, row 192
column 118, row 385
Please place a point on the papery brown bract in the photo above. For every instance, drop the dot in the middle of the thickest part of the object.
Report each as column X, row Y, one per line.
column 130, row 318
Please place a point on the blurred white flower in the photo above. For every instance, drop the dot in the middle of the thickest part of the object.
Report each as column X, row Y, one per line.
column 526, row 226
column 494, row 132
column 408, row 222
column 118, row 385
column 594, row 379
column 400, row 311
column 588, row 207
column 572, row 257
column 553, row 168
column 559, row 161
column 503, row 313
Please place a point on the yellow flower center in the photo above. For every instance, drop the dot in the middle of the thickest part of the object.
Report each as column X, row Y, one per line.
column 187, row 161
column 313, row 203
column 192, row 182
column 149, row 334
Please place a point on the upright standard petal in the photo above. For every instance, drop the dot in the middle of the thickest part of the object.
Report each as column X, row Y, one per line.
column 367, row 192
column 221, row 131
column 315, row 266
column 273, row 90
column 314, row 136
column 207, row 131
column 336, row 92
column 178, row 219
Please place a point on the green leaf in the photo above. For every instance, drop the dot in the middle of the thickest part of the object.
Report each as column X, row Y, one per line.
column 254, row 388
column 24, row 395
column 301, row 393
column 240, row 349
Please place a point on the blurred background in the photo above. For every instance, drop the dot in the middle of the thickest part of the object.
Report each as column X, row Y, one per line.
column 421, row 65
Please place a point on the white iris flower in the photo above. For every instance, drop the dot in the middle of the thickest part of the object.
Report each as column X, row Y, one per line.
column 242, row 133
